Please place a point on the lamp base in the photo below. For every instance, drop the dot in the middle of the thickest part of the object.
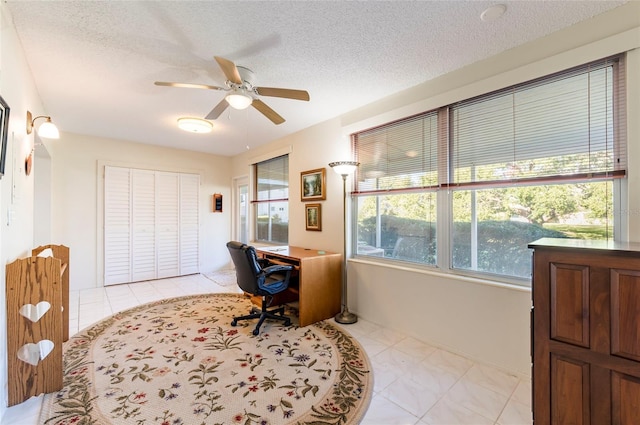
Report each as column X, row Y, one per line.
column 346, row 317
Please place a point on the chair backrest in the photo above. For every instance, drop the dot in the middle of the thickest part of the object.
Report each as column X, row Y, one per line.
column 248, row 268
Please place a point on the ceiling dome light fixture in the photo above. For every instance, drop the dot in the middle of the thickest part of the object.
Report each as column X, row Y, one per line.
column 195, row 125
column 239, row 99
column 47, row 129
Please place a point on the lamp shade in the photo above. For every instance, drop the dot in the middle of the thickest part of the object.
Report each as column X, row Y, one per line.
column 195, row 125
column 344, row 167
column 239, row 99
column 48, row 130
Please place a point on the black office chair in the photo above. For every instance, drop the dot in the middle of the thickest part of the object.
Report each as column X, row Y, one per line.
column 256, row 276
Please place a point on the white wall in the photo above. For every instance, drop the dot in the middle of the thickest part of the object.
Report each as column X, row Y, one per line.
column 16, row 189
column 483, row 320
column 309, row 149
column 631, row 214
column 77, row 172
column 42, row 202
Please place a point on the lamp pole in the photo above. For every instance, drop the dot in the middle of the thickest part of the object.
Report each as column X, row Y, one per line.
column 344, row 168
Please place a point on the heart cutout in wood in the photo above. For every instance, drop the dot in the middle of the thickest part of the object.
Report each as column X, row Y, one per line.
column 33, row 353
column 35, row 312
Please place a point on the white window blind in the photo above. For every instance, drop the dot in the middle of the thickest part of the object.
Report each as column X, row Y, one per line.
column 398, row 156
column 272, row 179
column 560, row 127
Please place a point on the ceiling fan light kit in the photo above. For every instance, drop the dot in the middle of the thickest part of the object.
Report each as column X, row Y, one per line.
column 242, row 92
column 194, row 125
column 239, row 100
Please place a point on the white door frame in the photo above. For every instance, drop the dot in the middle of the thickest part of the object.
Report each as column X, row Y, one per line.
column 240, row 202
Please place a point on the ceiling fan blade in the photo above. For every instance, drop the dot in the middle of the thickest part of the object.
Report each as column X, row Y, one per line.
column 287, row 93
column 267, row 111
column 218, row 110
column 229, row 69
column 188, row 85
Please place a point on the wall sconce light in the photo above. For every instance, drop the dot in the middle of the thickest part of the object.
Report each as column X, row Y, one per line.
column 47, row 129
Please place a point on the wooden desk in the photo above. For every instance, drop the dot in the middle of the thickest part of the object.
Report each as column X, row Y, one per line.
column 319, row 279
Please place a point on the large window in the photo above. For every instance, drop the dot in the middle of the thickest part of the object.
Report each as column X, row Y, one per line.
column 271, row 200
column 540, row 159
column 397, row 181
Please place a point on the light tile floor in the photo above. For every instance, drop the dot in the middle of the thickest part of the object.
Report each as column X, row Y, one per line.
column 414, row 383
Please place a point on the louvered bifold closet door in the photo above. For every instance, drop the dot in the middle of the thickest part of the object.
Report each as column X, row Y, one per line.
column 117, row 225
column 189, row 224
column 143, row 224
column 167, row 216
column 152, row 226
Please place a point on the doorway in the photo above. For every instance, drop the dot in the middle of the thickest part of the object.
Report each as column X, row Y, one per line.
column 241, row 210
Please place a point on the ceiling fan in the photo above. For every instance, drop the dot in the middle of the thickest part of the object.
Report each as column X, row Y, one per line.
column 242, row 92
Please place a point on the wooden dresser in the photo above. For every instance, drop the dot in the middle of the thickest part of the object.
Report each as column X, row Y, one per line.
column 586, row 332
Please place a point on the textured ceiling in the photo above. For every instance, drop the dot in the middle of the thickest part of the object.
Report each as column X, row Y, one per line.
column 94, row 63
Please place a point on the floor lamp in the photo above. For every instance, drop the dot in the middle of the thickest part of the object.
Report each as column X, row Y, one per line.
column 344, row 168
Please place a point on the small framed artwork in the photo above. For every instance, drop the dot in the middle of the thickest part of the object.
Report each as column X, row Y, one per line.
column 313, row 216
column 312, row 185
column 4, row 131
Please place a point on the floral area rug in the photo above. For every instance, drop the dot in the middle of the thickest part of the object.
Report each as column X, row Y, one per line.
column 180, row 362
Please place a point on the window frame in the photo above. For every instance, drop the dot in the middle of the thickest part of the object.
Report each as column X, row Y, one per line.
column 256, row 203
column 444, row 216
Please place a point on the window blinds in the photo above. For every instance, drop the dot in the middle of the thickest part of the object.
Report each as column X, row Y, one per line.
column 559, row 127
column 272, row 179
column 556, row 128
column 398, row 156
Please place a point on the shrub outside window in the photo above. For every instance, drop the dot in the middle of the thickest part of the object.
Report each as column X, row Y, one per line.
column 492, row 227
column 401, row 227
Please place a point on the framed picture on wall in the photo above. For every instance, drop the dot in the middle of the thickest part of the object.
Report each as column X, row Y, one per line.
column 4, row 131
column 312, row 185
column 313, row 216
